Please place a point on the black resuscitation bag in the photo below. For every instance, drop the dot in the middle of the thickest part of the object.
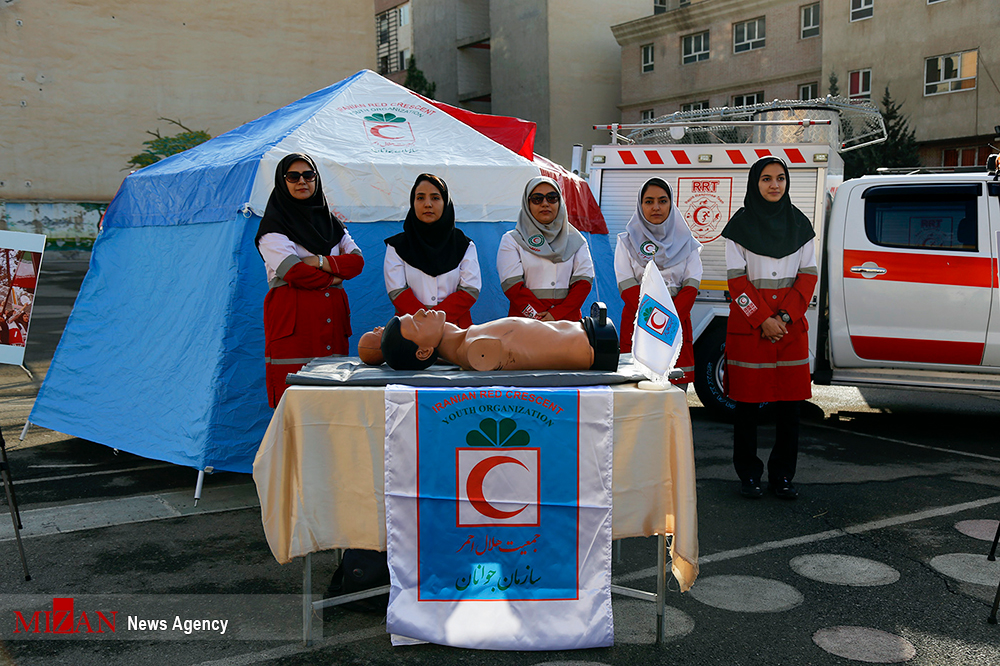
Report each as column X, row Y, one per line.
column 361, row 570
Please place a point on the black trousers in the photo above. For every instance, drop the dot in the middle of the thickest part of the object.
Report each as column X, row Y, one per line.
column 781, row 462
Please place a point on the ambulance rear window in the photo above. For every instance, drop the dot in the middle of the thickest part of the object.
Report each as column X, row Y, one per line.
column 941, row 218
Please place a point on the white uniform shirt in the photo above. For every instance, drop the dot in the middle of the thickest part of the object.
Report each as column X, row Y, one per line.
column 545, row 279
column 430, row 291
column 628, row 270
column 767, row 272
column 280, row 253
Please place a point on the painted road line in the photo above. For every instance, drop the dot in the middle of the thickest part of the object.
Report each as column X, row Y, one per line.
column 767, row 546
column 127, row 510
column 903, row 441
column 62, row 477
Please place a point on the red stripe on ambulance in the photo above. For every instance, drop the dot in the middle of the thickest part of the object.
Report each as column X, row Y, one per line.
column 762, row 152
column 680, row 157
column 653, row 157
column 627, row 157
column 795, row 156
column 923, row 268
column 736, row 157
column 918, row 351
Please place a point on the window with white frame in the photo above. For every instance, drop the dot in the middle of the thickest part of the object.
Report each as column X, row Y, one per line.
column 695, row 106
column 404, row 59
column 859, row 85
column 748, row 35
column 862, row 9
column 404, row 14
column 659, row 6
column 809, row 91
column 695, row 48
column 950, row 73
column 810, row 21
column 647, row 57
column 646, row 115
column 747, row 99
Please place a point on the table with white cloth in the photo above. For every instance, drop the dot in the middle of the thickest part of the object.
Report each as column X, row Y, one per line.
column 320, row 475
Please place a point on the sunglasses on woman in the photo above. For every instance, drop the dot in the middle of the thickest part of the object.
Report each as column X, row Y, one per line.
column 294, row 176
column 551, row 197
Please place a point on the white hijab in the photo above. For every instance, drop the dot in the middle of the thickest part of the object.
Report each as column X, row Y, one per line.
column 668, row 243
column 556, row 241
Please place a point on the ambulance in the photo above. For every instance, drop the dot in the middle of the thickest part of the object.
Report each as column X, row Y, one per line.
column 908, row 293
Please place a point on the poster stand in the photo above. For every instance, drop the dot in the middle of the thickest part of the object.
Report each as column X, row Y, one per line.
column 15, row 515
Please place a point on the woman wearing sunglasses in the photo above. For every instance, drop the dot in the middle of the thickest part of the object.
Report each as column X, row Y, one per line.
column 308, row 254
column 656, row 232
column 432, row 265
column 544, row 263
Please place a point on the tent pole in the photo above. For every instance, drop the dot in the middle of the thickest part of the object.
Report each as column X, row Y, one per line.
column 24, row 430
column 198, row 485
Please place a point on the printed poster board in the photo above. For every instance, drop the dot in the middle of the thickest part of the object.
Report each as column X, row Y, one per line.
column 20, row 263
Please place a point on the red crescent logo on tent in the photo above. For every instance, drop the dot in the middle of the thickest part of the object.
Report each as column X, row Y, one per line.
column 474, row 487
column 378, row 129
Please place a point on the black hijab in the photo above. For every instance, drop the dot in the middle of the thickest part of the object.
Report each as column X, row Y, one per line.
column 772, row 229
column 308, row 222
column 436, row 248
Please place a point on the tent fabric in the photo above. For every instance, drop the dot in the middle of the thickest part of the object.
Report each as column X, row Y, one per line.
column 581, row 206
column 516, row 134
column 162, row 355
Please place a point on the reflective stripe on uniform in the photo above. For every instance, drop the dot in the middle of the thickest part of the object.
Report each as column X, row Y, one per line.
column 760, row 366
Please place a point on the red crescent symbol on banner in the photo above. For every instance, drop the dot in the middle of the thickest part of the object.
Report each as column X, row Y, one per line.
column 474, row 487
column 376, row 130
column 655, row 324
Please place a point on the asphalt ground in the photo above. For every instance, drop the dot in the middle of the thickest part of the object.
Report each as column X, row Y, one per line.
column 882, row 559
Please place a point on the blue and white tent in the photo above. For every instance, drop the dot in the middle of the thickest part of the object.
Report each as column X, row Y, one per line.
column 162, row 355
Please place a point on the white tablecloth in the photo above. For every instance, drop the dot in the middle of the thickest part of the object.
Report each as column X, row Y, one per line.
column 319, row 472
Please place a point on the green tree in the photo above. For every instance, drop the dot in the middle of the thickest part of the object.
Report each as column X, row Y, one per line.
column 164, row 146
column 898, row 150
column 417, row 82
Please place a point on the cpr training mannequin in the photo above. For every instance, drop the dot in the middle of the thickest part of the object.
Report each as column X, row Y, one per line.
column 414, row 342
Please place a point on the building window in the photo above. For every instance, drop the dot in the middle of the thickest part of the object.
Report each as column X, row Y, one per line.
column 646, row 115
column 659, row 6
column 862, row 9
column 809, row 91
column 860, row 85
column 966, row 157
column 950, row 73
column 695, row 48
column 404, row 59
column 647, row 58
column 748, row 35
column 404, row 14
column 748, row 98
column 931, row 2
column 810, row 21
column 695, row 106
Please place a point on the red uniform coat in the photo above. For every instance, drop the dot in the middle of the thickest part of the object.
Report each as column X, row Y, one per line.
column 758, row 370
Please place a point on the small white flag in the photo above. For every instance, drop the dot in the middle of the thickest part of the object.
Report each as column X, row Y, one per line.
column 656, row 336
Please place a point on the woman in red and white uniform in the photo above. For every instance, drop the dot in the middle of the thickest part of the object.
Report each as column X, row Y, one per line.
column 657, row 232
column 771, row 262
column 432, row 265
column 308, row 254
column 544, row 262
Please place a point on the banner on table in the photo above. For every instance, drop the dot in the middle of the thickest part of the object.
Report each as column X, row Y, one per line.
column 656, row 337
column 498, row 517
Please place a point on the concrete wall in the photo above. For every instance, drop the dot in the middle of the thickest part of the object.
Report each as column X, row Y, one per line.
column 584, row 71
column 785, row 62
column 84, row 80
column 894, row 44
column 519, row 69
column 434, row 30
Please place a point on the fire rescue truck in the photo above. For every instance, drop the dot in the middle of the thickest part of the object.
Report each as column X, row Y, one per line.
column 908, row 292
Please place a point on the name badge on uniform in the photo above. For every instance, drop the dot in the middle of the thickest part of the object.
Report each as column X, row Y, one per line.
column 746, row 304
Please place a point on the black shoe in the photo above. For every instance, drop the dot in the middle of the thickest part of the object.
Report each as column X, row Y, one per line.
column 783, row 489
column 751, row 488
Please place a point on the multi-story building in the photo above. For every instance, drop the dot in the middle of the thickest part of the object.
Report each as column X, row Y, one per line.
column 84, row 83
column 939, row 58
column 554, row 62
column 709, row 53
column 393, row 38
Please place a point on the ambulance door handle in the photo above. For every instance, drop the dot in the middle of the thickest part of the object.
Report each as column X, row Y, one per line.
column 869, row 269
